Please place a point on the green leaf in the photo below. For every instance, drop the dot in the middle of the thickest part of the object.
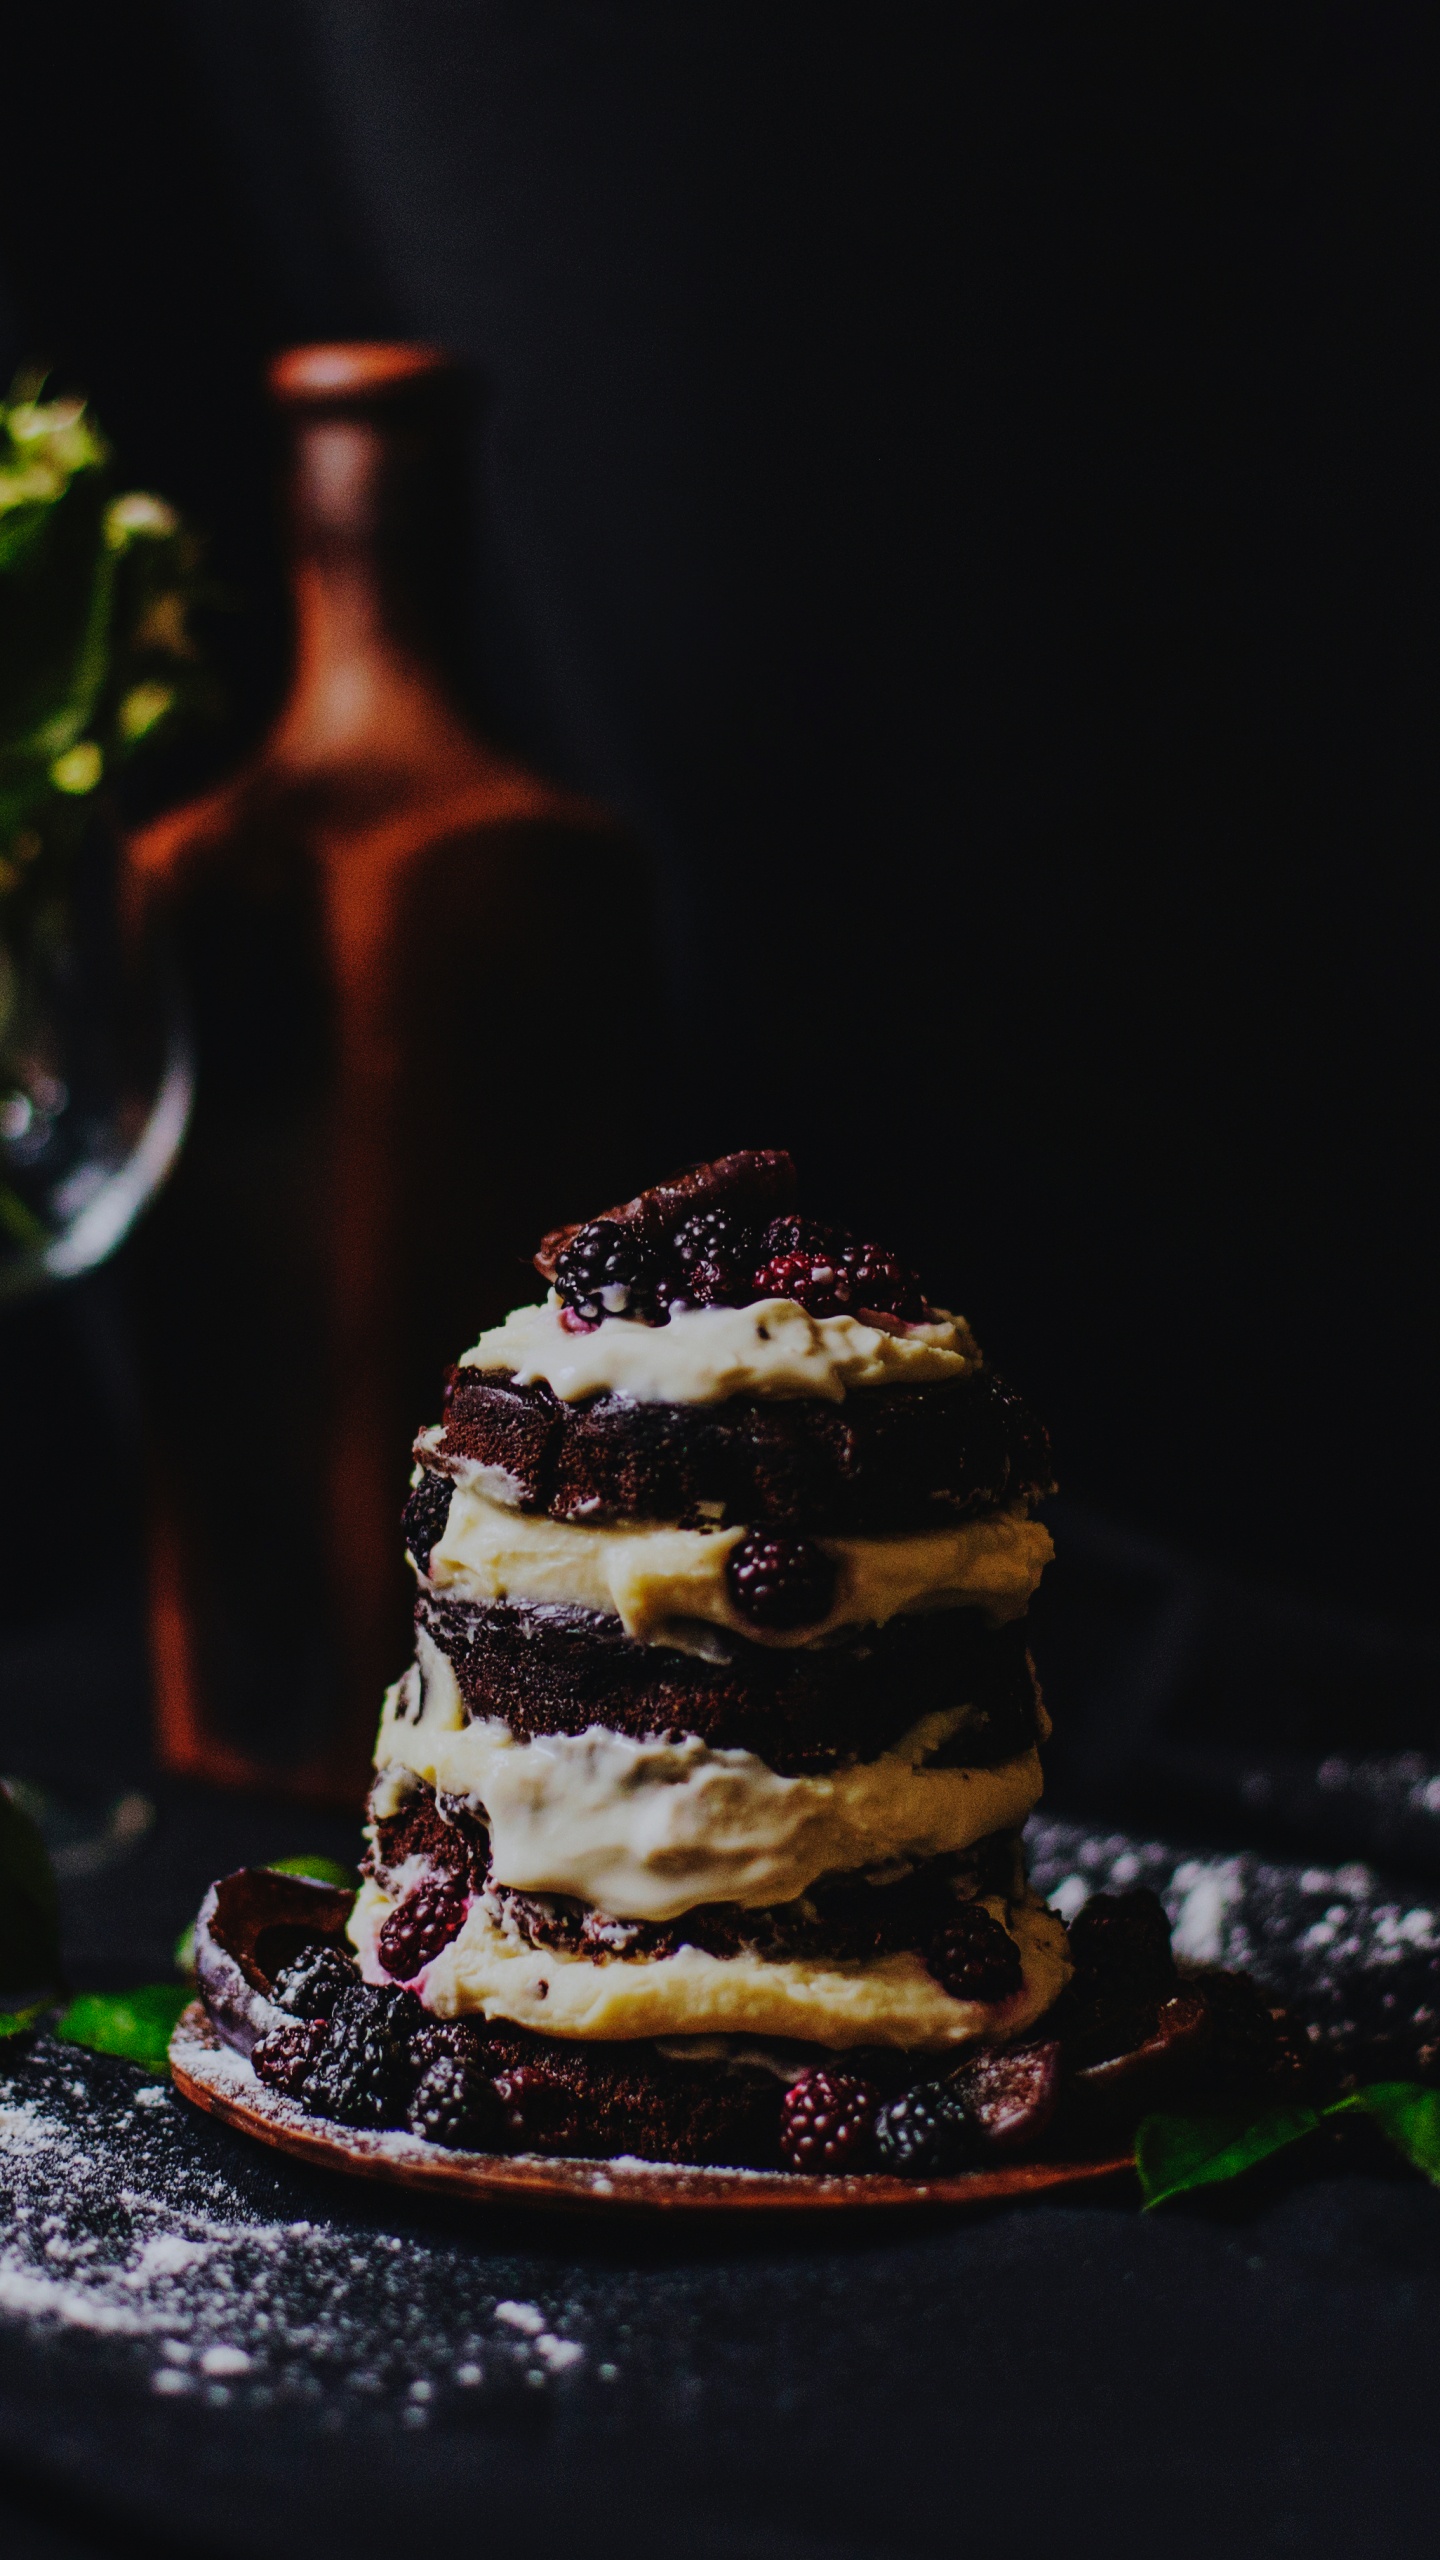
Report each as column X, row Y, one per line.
column 137, row 2025
column 18, row 2022
column 319, row 1870
column 1174, row 2154
column 29, row 1909
column 1407, row 2115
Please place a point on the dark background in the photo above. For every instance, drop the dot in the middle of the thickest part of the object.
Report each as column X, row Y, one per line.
column 959, row 482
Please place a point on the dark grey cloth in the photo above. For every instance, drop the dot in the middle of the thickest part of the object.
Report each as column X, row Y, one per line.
column 327, row 2371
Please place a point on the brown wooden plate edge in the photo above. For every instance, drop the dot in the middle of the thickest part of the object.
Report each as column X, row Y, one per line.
column 486, row 2177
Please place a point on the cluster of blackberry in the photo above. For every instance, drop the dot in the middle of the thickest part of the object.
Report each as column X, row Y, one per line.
column 718, row 1258
column 1000, row 2100
column 370, row 2056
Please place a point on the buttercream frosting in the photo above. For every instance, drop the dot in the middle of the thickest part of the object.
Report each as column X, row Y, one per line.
column 889, row 2000
column 705, row 1354
column 667, row 1586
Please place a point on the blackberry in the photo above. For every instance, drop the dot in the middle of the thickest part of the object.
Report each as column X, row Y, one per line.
column 973, row 1958
column 825, row 2122
column 537, row 2109
column 922, row 2132
column 879, row 1284
column 424, row 1517
column 420, row 1926
column 778, row 1582
column 363, row 2072
column 312, row 1982
column 1120, row 1944
column 1008, row 2093
column 609, row 1270
column 714, row 1254
column 458, row 2039
column 282, row 2059
column 456, row 2102
column 1124, row 1970
column 831, row 1274
column 801, row 1259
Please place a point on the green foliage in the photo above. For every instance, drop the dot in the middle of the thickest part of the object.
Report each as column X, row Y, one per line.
column 1406, row 2114
column 137, row 2025
column 319, row 1870
column 96, row 654
column 19, row 2022
column 29, row 1911
column 1174, row 2155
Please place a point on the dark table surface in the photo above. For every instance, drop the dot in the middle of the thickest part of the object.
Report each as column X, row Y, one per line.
column 204, row 2349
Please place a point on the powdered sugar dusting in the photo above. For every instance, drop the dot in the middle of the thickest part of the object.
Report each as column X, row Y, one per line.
column 127, row 2220
column 1358, row 1966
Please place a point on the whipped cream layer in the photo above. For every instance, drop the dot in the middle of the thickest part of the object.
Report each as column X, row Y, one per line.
column 648, row 1829
column 666, row 1586
column 891, row 2000
column 705, row 1354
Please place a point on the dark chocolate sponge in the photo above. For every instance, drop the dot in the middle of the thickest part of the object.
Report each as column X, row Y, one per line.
column 600, row 2100
column 543, row 1670
column 887, row 1458
column 846, row 1921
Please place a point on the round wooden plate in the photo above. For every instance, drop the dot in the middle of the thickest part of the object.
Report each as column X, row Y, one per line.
column 216, row 2078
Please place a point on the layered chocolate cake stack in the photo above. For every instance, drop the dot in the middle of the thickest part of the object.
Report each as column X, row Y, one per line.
column 695, row 1830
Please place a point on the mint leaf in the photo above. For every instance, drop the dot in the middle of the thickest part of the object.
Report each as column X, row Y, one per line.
column 1407, row 2115
column 137, row 2025
column 319, row 1870
column 29, row 1909
column 1175, row 2154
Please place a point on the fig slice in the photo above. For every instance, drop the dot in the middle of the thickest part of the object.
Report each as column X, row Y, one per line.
column 250, row 1925
column 760, row 1181
column 1168, row 2063
column 1009, row 2093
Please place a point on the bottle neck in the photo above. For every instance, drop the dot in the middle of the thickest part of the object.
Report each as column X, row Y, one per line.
column 367, row 697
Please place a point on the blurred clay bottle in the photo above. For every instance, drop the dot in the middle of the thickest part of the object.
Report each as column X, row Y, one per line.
column 423, row 1009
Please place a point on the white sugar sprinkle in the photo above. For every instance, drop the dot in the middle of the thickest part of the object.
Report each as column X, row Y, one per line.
column 521, row 2315
column 133, row 2225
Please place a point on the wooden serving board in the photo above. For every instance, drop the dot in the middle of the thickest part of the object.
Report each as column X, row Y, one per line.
column 214, row 2077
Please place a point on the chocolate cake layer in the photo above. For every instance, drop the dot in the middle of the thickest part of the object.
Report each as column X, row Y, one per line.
column 887, row 1458
column 530, row 2092
column 628, row 2100
column 551, row 1670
